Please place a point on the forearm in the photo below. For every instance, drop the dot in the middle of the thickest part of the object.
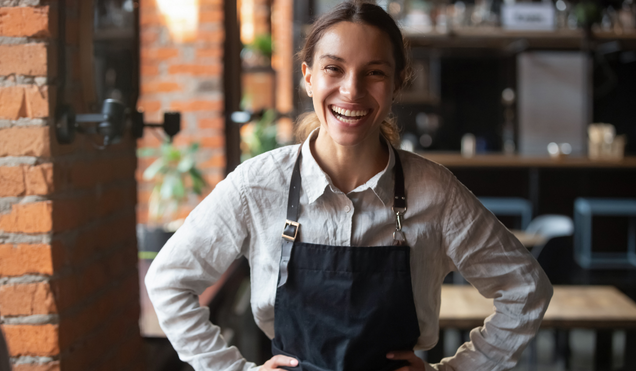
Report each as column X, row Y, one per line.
column 187, row 326
column 498, row 344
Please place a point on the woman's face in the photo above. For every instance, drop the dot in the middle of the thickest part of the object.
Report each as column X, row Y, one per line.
column 352, row 82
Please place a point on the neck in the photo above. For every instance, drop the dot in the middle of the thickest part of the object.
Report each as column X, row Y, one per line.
column 349, row 166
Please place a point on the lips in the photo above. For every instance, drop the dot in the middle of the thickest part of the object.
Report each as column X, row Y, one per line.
column 347, row 115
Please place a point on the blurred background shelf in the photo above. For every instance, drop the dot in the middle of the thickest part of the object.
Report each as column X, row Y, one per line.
column 498, row 38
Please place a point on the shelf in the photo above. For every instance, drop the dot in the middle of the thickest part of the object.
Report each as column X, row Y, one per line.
column 498, row 38
column 452, row 160
column 415, row 97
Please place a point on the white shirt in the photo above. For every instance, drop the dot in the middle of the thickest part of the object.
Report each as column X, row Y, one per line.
column 446, row 227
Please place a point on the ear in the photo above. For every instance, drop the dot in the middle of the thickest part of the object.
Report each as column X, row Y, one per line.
column 307, row 77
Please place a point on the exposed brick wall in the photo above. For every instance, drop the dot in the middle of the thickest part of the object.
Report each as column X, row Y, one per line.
column 283, row 62
column 69, row 295
column 183, row 76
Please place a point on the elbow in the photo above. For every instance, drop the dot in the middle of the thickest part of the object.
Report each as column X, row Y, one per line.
column 544, row 290
column 150, row 281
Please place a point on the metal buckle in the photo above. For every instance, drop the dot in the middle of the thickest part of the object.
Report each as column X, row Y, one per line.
column 294, row 224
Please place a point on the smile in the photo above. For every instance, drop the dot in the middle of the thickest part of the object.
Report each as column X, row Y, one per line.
column 348, row 116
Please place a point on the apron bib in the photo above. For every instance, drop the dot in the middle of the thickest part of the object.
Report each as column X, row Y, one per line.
column 343, row 308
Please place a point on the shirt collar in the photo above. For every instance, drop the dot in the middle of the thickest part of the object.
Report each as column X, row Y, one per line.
column 316, row 180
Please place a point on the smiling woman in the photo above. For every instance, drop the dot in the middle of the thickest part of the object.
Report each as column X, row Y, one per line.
column 368, row 233
column 393, row 52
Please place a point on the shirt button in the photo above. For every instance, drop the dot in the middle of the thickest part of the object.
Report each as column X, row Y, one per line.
column 347, row 208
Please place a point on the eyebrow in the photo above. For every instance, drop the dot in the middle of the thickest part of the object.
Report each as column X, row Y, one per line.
column 339, row 59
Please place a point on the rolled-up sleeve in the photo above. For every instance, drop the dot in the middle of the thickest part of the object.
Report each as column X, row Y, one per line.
column 501, row 268
column 212, row 237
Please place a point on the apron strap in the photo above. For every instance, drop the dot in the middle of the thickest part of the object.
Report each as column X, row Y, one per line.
column 399, row 199
column 290, row 230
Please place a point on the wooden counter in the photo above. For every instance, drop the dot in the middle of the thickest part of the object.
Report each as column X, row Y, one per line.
column 498, row 38
column 452, row 160
column 592, row 307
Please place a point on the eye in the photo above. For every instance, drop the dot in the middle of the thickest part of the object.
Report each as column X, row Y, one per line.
column 331, row 69
column 377, row 73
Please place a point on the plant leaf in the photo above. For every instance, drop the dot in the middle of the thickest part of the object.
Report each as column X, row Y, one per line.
column 153, row 169
column 186, row 163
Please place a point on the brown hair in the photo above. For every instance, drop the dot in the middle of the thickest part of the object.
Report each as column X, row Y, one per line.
column 358, row 12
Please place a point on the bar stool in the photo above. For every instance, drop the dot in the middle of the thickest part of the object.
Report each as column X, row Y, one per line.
column 584, row 209
column 509, row 206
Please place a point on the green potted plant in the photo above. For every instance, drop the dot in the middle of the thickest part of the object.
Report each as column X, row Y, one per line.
column 259, row 136
column 175, row 178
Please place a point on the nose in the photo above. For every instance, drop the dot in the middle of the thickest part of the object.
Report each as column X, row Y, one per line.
column 352, row 87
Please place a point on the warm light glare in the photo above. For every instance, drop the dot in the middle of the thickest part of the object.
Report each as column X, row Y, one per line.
column 182, row 18
column 246, row 12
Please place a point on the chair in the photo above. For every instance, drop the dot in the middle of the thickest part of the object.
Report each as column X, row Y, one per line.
column 584, row 210
column 549, row 226
column 509, row 206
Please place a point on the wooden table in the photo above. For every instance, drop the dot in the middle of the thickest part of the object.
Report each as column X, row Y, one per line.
column 529, row 240
column 600, row 308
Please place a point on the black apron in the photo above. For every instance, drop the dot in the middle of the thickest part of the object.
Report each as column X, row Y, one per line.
column 342, row 308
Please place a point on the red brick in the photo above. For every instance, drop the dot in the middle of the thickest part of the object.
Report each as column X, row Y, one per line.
column 24, row 101
column 17, row 260
column 49, row 366
column 196, row 69
column 12, row 181
column 28, row 218
column 211, row 123
column 217, row 161
column 26, row 59
column 39, row 179
column 24, row 21
column 210, row 37
column 24, row 141
column 213, row 179
column 148, row 5
column 148, row 37
column 213, row 16
column 159, row 87
column 150, row 139
column 149, row 106
column 210, row 52
column 149, row 69
column 27, row 299
column 197, row 105
column 158, row 54
column 142, row 213
column 32, row 340
column 146, row 20
column 143, row 196
column 216, row 141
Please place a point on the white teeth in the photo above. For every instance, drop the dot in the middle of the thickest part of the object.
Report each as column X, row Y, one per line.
column 349, row 113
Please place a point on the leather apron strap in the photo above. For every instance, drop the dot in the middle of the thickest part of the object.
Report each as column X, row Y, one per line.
column 291, row 227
